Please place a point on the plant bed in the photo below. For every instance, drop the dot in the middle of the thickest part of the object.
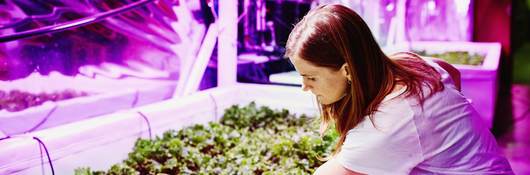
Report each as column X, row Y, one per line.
column 16, row 100
column 456, row 57
column 106, row 96
column 247, row 140
column 102, row 141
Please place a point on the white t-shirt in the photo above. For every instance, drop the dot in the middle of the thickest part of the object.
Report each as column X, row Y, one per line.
column 447, row 136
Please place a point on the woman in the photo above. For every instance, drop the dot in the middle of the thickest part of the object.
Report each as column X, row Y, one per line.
column 395, row 115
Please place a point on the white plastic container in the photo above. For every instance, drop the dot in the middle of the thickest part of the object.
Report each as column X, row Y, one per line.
column 105, row 140
column 105, row 96
column 479, row 83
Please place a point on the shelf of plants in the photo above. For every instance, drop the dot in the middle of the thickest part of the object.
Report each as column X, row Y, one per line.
column 98, row 143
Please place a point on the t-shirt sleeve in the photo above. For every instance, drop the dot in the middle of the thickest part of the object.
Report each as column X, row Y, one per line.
column 446, row 77
column 392, row 147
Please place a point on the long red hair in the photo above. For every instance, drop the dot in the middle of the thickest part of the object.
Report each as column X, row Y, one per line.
column 331, row 35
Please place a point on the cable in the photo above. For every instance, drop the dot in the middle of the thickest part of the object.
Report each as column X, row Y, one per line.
column 148, row 124
column 5, row 138
column 43, row 120
column 73, row 24
column 54, row 15
column 47, row 154
column 41, row 160
column 136, row 98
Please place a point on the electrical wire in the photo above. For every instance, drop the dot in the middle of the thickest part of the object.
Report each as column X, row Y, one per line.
column 47, row 154
column 148, row 124
column 43, row 120
column 73, row 24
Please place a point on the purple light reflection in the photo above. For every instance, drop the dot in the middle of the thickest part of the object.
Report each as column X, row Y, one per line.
column 144, row 34
column 439, row 20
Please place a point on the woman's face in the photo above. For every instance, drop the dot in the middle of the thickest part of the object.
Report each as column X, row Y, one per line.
column 327, row 84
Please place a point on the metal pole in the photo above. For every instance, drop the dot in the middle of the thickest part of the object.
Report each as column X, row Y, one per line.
column 227, row 43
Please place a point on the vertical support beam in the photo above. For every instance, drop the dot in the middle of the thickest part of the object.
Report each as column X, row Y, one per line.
column 197, row 68
column 401, row 23
column 371, row 16
column 227, row 43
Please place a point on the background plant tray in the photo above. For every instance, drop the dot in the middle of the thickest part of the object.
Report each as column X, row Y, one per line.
column 105, row 96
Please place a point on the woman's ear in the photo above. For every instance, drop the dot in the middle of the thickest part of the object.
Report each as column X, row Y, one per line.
column 346, row 71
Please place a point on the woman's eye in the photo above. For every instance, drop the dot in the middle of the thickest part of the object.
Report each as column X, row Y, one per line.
column 310, row 78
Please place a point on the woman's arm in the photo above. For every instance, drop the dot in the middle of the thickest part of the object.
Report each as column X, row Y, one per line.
column 453, row 72
column 335, row 168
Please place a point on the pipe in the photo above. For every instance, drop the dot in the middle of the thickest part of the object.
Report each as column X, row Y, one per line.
column 72, row 24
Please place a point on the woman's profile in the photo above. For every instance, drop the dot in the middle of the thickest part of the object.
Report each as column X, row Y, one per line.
column 396, row 114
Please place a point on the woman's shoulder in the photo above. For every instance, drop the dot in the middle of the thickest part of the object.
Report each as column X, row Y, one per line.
column 450, row 76
column 395, row 108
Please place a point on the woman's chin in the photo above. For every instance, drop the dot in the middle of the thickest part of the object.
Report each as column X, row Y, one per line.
column 327, row 101
column 324, row 101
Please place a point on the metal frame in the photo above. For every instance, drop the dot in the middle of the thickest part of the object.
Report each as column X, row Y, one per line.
column 223, row 32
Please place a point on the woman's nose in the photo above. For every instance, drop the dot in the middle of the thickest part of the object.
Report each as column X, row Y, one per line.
column 305, row 87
